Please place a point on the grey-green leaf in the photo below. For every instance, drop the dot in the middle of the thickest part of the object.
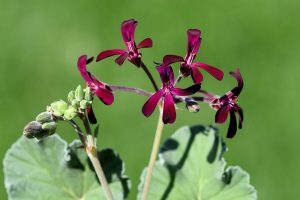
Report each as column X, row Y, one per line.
column 191, row 166
column 40, row 171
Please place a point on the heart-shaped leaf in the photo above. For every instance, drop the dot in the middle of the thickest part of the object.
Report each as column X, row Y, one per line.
column 50, row 169
column 191, row 166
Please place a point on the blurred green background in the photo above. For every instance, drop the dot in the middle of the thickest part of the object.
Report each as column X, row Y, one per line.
column 40, row 42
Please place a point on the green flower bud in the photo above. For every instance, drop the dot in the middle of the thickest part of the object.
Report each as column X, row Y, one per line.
column 75, row 103
column 59, row 107
column 79, row 93
column 84, row 104
column 33, row 129
column 192, row 106
column 44, row 117
column 88, row 94
column 71, row 96
column 49, row 127
column 70, row 113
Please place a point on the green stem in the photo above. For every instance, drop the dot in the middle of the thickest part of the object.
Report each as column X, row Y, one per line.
column 153, row 155
column 91, row 150
column 92, row 154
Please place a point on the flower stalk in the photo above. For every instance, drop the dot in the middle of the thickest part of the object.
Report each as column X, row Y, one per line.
column 153, row 155
column 91, row 150
column 92, row 154
column 144, row 67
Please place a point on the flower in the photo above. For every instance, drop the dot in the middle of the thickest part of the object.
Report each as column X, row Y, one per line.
column 102, row 91
column 167, row 93
column 227, row 104
column 187, row 66
column 132, row 53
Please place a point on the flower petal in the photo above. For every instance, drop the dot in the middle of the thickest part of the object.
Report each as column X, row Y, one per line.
column 222, row 114
column 215, row 72
column 196, row 75
column 232, row 125
column 169, row 113
column 150, row 105
column 237, row 75
column 81, row 64
column 108, row 53
column 146, row 43
column 91, row 115
column 187, row 91
column 169, row 59
column 120, row 60
column 241, row 116
column 127, row 29
column 166, row 74
column 194, row 41
column 105, row 95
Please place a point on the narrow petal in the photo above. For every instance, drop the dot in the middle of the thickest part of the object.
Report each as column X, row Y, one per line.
column 187, row 91
column 108, row 53
column 150, row 105
column 169, row 113
column 120, row 60
column 91, row 115
column 232, row 125
column 81, row 64
column 146, row 43
column 237, row 75
column 222, row 114
column 215, row 72
column 196, row 75
column 105, row 95
column 241, row 116
column 194, row 41
column 127, row 30
column 166, row 74
column 169, row 59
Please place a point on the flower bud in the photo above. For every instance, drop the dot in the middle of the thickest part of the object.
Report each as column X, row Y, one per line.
column 49, row 127
column 84, row 104
column 79, row 93
column 70, row 113
column 192, row 106
column 88, row 94
column 33, row 129
column 71, row 96
column 44, row 117
column 75, row 103
column 59, row 107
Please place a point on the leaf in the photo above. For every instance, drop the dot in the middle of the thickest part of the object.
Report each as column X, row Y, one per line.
column 50, row 170
column 191, row 166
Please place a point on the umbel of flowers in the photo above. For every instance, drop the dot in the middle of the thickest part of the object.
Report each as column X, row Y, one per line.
column 168, row 94
column 165, row 97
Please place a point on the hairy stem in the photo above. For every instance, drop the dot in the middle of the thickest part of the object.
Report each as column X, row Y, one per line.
column 130, row 89
column 144, row 67
column 177, row 99
column 91, row 150
column 86, row 125
column 92, row 154
column 78, row 131
column 153, row 155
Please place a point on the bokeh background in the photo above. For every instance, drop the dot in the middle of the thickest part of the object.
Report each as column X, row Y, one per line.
column 40, row 42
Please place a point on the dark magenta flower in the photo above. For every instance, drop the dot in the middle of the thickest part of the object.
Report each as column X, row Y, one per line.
column 167, row 93
column 132, row 53
column 227, row 105
column 98, row 88
column 187, row 66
